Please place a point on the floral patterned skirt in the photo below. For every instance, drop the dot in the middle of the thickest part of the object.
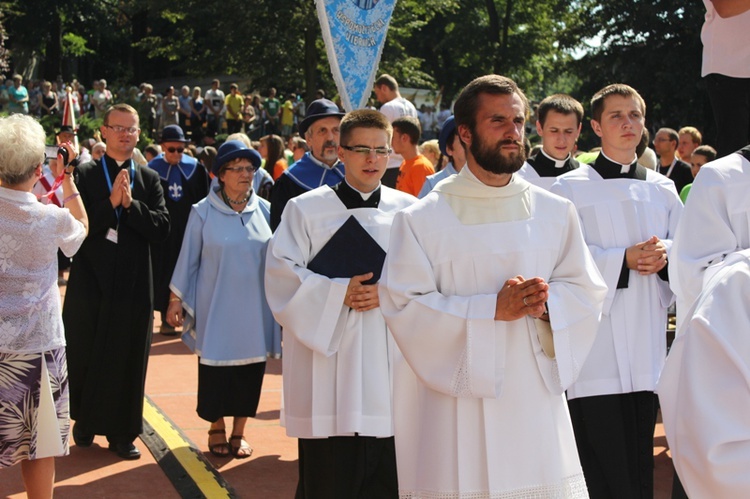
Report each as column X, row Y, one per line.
column 34, row 410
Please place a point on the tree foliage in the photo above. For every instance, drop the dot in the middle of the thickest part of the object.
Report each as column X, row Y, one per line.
column 653, row 45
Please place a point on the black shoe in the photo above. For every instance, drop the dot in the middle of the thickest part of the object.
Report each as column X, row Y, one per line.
column 82, row 439
column 126, row 450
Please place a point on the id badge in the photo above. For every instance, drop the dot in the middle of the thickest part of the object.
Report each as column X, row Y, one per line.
column 112, row 235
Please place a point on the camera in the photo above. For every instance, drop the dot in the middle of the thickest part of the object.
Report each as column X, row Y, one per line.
column 61, row 151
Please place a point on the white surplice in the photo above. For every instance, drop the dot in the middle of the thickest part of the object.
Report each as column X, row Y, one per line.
column 704, row 389
column 528, row 173
column 715, row 222
column 337, row 362
column 630, row 347
column 485, row 416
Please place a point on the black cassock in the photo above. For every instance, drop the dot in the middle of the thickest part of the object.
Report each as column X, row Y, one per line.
column 108, row 310
column 183, row 185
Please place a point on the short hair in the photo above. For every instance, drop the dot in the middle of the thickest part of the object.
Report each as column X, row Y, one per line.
column 197, row 89
column 597, row 101
column 643, row 144
column 22, row 141
column 693, row 132
column 233, row 86
column 363, row 118
column 672, row 134
column 152, row 149
column 102, row 145
column 707, row 151
column 242, row 137
column 300, row 143
column 103, row 82
column 17, row 77
column 409, row 126
column 560, row 103
column 185, row 87
column 431, row 146
column 123, row 108
column 465, row 108
column 215, row 80
column 387, row 80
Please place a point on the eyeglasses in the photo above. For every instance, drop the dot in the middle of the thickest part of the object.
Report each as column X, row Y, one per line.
column 131, row 130
column 176, row 149
column 380, row 152
column 240, row 169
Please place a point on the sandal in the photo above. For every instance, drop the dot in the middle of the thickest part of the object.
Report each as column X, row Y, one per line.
column 216, row 448
column 243, row 447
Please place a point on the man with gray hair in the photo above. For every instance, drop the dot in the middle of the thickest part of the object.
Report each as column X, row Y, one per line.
column 320, row 166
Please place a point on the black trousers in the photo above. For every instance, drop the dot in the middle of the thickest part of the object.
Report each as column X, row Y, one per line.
column 347, row 468
column 730, row 100
column 615, row 440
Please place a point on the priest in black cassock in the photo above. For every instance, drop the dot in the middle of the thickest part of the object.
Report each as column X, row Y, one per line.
column 559, row 125
column 185, row 181
column 108, row 310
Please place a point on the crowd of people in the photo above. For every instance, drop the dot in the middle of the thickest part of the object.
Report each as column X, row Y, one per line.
column 445, row 296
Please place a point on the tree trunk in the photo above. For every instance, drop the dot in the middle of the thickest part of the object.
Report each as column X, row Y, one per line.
column 53, row 51
column 311, row 61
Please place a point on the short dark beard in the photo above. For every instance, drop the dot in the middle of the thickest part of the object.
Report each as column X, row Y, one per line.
column 491, row 158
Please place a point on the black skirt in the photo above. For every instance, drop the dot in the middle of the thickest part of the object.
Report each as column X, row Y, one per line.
column 229, row 390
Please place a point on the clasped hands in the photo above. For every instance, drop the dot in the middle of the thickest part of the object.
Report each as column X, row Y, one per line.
column 520, row 297
column 362, row 297
column 121, row 195
column 647, row 257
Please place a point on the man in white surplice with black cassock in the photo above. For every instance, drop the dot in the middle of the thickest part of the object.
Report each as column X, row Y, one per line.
column 629, row 215
column 494, row 301
column 338, row 355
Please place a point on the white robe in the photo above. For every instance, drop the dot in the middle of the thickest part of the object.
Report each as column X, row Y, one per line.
column 630, row 346
column 529, row 174
column 716, row 222
column 705, row 387
column 336, row 361
column 485, row 416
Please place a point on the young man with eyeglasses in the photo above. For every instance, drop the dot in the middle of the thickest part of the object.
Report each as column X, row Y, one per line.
column 338, row 354
column 185, row 181
column 108, row 311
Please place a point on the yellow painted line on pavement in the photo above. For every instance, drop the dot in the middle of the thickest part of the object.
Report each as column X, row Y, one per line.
column 182, row 451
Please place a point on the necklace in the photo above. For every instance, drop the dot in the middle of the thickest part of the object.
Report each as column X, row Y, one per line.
column 231, row 201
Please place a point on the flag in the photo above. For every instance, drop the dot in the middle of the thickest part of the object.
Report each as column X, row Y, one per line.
column 69, row 117
column 354, row 34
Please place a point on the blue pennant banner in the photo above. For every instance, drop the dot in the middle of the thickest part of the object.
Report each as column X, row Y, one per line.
column 354, row 33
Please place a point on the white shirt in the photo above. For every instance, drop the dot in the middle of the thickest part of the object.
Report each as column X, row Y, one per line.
column 30, row 234
column 726, row 44
column 394, row 109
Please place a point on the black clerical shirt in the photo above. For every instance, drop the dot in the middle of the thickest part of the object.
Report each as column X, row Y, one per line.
column 352, row 198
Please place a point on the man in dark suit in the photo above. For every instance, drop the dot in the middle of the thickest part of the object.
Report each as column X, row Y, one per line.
column 665, row 145
column 108, row 311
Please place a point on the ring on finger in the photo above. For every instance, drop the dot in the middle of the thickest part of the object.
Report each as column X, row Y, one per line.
column 524, row 301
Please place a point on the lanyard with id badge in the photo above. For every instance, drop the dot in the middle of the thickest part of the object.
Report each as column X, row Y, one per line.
column 112, row 233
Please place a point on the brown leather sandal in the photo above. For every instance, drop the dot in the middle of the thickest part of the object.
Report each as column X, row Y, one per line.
column 216, row 448
column 244, row 447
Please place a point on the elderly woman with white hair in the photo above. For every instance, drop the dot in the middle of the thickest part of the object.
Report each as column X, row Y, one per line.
column 34, row 416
